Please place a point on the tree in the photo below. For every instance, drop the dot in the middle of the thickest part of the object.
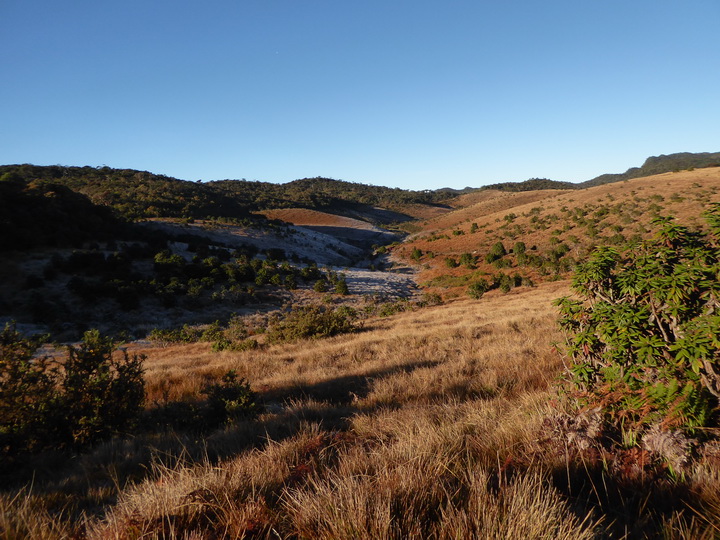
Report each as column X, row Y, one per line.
column 645, row 340
column 496, row 252
column 341, row 287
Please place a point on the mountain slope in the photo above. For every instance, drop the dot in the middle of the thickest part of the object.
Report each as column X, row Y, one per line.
column 556, row 228
column 658, row 165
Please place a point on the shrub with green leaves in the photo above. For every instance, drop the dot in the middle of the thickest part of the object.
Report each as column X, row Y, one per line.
column 101, row 393
column 645, row 340
column 306, row 322
column 92, row 395
column 27, row 394
column 230, row 400
column 478, row 289
column 497, row 251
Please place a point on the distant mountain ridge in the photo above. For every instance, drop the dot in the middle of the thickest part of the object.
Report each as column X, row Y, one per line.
column 658, row 165
column 137, row 194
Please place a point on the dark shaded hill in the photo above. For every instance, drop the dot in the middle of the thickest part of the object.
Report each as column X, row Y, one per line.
column 140, row 194
column 43, row 214
column 328, row 195
column 136, row 194
column 658, row 165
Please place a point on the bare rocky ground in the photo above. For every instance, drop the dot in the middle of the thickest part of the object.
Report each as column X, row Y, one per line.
column 318, row 247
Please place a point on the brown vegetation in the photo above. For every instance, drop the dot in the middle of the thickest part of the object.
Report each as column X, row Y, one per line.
column 435, row 423
column 579, row 219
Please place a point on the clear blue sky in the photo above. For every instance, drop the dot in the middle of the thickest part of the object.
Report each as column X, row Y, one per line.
column 413, row 94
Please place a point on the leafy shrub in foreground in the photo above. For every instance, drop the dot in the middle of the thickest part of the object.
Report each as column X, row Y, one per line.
column 100, row 394
column 44, row 404
column 645, row 342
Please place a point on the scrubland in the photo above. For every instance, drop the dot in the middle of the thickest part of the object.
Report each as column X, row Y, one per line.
column 443, row 422
column 558, row 227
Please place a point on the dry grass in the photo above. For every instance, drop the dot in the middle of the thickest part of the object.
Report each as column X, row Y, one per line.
column 630, row 208
column 427, row 424
column 307, row 217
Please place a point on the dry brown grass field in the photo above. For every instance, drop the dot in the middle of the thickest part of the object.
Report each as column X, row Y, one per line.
column 436, row 423
column 304, row 216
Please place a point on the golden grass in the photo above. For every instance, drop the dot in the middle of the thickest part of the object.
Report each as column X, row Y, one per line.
column 307, row 217
column 427, row 424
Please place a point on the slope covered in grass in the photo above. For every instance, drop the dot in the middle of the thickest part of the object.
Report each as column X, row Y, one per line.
column 435, row 423
column 556, row 228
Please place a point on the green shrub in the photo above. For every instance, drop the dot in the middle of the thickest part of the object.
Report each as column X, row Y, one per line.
column 388, row 309
column 320, row 286
column 186, row 334
column 468, row 260
column 645, row 341
column 496, row 252
column 229, row 401
column 27, row 394
column 91, row 396
column 308, row 322
column 430, row 299
column 478, row 289
column 100, row 394
column 451, row 262
column 341, row 287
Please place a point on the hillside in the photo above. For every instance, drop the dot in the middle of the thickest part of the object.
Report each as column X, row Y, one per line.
column 140, row 194
column 555, row 228
column 441, row 422
column 658, row 165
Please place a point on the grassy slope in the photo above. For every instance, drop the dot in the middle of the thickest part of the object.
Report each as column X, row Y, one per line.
column 429, row 424
column 580, row 219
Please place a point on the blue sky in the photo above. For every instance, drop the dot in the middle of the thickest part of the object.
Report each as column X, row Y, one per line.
column 412, row 94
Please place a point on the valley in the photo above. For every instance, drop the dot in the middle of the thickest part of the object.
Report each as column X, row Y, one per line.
column 397, row 365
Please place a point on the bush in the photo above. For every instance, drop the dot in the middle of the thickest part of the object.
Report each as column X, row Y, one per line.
column 450, row 262
column 477, row 290
column 100, row 395
column 27, row 394
column 468, row 260
column 45, row 405
column 229, row 401
column 320, row 286
column 308, row 322
column 645, row 342
column 496, row 252
column 341, row 287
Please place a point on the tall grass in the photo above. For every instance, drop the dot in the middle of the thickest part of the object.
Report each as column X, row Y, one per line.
column 427, row 424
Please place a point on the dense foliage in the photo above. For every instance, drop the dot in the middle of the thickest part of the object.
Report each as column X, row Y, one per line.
column 312, row 322
column 532, row 184
column 135, row 194
column 40, row 214
column 45, row 404
column 645, row 339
